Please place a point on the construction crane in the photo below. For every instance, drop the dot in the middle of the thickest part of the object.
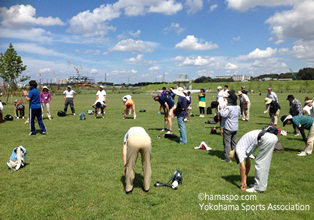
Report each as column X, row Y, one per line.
column 293, row 75
column 54, row 76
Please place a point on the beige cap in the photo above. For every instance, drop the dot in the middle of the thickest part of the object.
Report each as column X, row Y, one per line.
column 268, row 101
column 239, row 93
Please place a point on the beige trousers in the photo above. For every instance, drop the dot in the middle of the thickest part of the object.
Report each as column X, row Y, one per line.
column 138, row 143
column 309, row 147
column 274, row 119
column 245, row 111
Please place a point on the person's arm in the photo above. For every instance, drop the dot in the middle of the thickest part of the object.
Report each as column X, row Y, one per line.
column 124, row 151
column 224, row 112
column 124, row 110
column 26, row 95
column 301, row 129
column 105, row 99
column 64, row 95
column 41, row 97
column 74, row 94
column 49, row 97
column 243, row 176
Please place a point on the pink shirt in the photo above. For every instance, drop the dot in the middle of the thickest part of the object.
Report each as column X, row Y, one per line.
column 45, row 97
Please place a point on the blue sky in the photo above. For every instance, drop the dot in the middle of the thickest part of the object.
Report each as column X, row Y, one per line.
column 144, row 40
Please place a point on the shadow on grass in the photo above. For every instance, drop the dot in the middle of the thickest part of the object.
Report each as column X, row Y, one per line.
column 137, row 182
column 233, row 179
column 292, row 150
column 264, row 116
column 218, row 153
column 172, row 137
column 296, row 139
column 155, row 129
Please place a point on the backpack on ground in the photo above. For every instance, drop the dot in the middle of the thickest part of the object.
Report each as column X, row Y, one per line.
column 82, row 116
column 17, row 159
column 8, row 118
column 61, row 113
column 209, row 111
column 174, row 181
column 279, row 147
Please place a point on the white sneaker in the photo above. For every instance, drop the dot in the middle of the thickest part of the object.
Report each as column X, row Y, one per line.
column 302, row 154
column 49, row 118
column 297, row 135
column 73, row 114
column 169, row 132
column 17, row 117
column 252, row 157
column 251, row 190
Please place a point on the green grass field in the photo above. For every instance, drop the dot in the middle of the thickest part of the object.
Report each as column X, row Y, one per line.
column 76, row 171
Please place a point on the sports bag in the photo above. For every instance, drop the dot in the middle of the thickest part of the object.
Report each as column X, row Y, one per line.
column 61, row 113
column 17, row 159
column 209, row 111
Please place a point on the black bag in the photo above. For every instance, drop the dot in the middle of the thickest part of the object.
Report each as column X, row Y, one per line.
column 142, row 110
column 213, row 131
column 209, row 111
column 8, row 118
column 61, row 114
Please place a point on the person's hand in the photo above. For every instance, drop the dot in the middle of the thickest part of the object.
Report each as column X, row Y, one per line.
column 243, row 186
column 25, row 93
column 265, row 112
column 308, row 143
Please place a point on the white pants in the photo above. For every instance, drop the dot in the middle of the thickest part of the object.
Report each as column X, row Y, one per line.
column 48, row 109
column 263, row 160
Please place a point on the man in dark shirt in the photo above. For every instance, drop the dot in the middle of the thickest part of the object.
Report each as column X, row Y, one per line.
column 182, row 106
column 33, row 97
column 168, row 106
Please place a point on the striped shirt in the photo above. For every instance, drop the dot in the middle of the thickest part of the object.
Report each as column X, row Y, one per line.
column 272, row 96
column 230, row 114
column 247, row 145
column 296, row 108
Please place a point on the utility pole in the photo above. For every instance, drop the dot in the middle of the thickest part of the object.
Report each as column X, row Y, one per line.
column 105, row 77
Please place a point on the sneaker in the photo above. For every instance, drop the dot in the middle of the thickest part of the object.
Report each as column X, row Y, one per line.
column 297, row 135
column 17, row 117
column 302, row 154
column 73, row 114
column 164, row 130
column 169, row 132
column 23, row 117
column 251, row 190
column 44, row 133
column 103, row 116
column 32, row 134
column 9, row 165
column 49, row 118
column 252, row 157
column 227, row 160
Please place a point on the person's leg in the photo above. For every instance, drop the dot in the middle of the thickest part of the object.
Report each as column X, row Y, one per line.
column 66, row 104
column 40, row 120
column 131, row 157
column 182, row 128
column 125, row 111
column 42, row 109
column 48, row 110
column 1, row 117
column 22, row 112
column 234, row 139
column 32, row 120
column 309, row 147
column 72, row 106
column 146, row 152
column 248, row 113
column 263, row 160
column 227, row 143
column 276, row 117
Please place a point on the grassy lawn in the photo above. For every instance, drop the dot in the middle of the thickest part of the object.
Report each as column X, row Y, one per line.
column 76, row 171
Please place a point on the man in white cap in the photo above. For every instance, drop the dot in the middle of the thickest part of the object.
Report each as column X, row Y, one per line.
column 274, row 110
column 308, row 107
column 245, row 105
column 266, row 139
column 181, row 109
column 302, row 122
column 69, row 95
column 101, row 98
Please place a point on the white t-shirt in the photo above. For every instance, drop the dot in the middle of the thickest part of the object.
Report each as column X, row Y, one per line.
column 134, row 130
column 247, row 145
column 69, row 94
column 126, row 98
column 101, row 95
column 1, row 107
column 244, row 99
column 272, row 96
column 225, row 92
column 309, row 110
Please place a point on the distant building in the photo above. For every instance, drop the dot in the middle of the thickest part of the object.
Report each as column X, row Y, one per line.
column 286, row 79
column 241, row 78
column 223, row 77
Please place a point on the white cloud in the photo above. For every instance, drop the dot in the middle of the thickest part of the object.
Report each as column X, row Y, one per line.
column 167, row 7
column 94, row 23
column 139, row 59
column 135, row 34
column 133, row 71
column 193, row 6
column 294, row 23
column 212, row 8
column 25, row 15
column 154, row 68
column 134, row 46
column 237, row 38
column 198, row 61
column 244, row 5
column 179, row 58
column 122, row 72
column 93, row 71
column 269, row 65
column 36, row 49
column 231, row 66
column 44, row 70
column 105, row 54
column 91, row 52
column 203, row 72
column 258, row 54
column 174, row 27
column 192, row 43
column 31, row 34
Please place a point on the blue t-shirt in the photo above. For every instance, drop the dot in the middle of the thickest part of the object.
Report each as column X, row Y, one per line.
column 34, row 95
column 162, row 100
column 182, row 105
